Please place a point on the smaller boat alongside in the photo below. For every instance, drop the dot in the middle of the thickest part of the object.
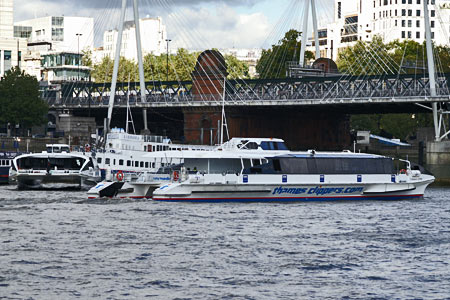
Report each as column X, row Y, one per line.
column 6, row 159
column 56, row 167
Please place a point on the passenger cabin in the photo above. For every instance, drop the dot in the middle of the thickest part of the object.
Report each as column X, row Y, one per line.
column 325, row 164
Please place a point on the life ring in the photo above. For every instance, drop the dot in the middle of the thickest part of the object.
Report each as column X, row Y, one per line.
column 402, row 171
column 119, row 175
column 176, row 176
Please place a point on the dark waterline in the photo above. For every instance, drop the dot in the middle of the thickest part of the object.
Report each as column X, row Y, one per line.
column 57, row 245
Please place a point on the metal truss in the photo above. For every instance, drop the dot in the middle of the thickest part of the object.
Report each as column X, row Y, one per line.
column 304, row 91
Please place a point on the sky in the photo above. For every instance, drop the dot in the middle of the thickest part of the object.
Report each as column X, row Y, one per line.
column 190, row 23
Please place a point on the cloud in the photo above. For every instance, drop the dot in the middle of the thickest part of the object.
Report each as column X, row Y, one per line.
column 224, row 28
column 195, row 24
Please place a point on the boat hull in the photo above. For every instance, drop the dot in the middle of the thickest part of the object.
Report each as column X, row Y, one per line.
column 288, row 193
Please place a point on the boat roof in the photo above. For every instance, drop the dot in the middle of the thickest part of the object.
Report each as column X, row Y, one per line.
column 253, row 154
column 53, row 155
column 332, row 155
column 190, row 154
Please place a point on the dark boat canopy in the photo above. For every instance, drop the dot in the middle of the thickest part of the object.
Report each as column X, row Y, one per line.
column 325, row 165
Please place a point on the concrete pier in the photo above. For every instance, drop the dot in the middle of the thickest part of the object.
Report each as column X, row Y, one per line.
column 438, row 161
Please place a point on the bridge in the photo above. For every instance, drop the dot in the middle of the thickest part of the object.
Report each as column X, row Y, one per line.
column 338, row 90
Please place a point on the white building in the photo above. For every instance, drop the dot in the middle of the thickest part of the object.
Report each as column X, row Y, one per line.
column 390, row 19
column 250, row 56
column 12, row 49
column 70, row 34
column 153, row 37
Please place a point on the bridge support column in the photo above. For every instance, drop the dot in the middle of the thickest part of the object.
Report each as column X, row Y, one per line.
column 438, row 160
column 300, row 130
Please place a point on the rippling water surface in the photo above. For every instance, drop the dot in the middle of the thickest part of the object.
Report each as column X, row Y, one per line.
column 57, row 245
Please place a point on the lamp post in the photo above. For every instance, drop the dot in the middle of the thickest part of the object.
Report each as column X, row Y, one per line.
column 79, row 60
column 167, row 74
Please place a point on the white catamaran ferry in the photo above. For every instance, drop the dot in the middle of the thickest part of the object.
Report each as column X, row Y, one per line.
column 54, row 168
column 307, row 176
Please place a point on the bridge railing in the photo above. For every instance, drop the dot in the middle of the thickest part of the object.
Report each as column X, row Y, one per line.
column 276, row 90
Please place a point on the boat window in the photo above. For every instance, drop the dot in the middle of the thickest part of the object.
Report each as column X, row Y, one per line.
column 114, row 162
column 142, row 164
column 107, row 161
column 153, row 165
column 267, row 145
column 280, row 146
column 120, row 162
column 337, row 165
column 99, row 160
column 276, row 165
column 136, row 164
column 145, row 148
column 128, row 163
column 247, row 163
column 256, row 162
column 146, row 165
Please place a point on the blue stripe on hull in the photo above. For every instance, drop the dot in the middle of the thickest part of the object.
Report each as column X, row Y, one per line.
column 312, row 199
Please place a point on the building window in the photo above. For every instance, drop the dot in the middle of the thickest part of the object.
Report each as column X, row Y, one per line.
column 403, row 23
column 433, row 13
column 58, row 21
column 339, row 10
column 7, row 59
column 58, row 34
column 409, row 34
column 403, row 35
column 417, row 35
column 417, row 23
column 418, row 13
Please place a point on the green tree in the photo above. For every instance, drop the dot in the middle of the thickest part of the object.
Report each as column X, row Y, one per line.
column 398, row 57
column 86, row 59
column 20, row 100
column 236, row 69
column 103, row 72
column 273, row 61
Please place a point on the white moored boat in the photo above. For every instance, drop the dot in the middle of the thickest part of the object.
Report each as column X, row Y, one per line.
column 55, row 168
column 307, row 176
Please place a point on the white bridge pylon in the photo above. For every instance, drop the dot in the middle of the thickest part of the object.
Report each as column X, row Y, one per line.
column 117, row 60
column 305, row 30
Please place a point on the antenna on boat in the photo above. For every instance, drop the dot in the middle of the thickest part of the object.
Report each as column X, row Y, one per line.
column 224, row 119
column 129, row 114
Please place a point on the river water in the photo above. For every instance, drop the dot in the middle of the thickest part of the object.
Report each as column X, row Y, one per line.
column 57, row 245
